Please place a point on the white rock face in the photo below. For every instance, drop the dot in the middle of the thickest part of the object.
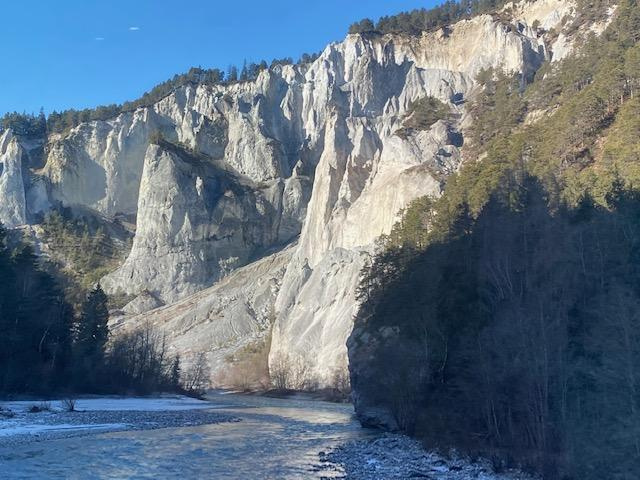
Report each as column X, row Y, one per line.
column 251, row 130
column 12, row 190
column 316, row 308
column 306, row 151
column 100, row 164
column 564, row 45
column 220, row 320
column 195, row 222
column 546, row 13
column 366, row 174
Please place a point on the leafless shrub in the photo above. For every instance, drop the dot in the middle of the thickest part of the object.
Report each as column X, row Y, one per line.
column 246, row 375
column 69, row 404
column 279, row 373
column 139, row 361
column 43, row 406
column 248, row 368
column 340, row 381
column 291, row 373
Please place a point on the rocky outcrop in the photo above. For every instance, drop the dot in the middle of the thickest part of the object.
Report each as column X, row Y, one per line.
column 248, row 126
column 364, row 346
column 23, row 193
column 12, row 190
column 144, row 302
column 249, row 133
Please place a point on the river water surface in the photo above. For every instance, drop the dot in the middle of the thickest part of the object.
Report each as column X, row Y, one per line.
column 275, row 439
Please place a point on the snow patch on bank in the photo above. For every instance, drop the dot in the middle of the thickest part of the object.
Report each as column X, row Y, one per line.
column 111, row 404
column 18, row 428
column 35, row 420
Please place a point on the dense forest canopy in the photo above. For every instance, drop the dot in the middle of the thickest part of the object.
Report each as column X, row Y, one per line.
column 83, row 248
column 514, row 297
column 28, row 125
column 518, row 334
column 427, row 19
column 35, row 322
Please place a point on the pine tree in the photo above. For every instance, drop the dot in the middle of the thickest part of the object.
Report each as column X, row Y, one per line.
column 91, row 334
column 363, row 26
column 35, row 324
column 232, row 74
column 632, row 69
column 244, row 73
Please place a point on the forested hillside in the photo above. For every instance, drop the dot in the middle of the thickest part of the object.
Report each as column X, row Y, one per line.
column 423, row 20
column 502, row 318
column 49, row 346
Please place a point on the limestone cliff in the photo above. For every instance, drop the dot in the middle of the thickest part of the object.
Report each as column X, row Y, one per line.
column 13, row 209
column 218, row 321
column 196, row 221
column 367, row 172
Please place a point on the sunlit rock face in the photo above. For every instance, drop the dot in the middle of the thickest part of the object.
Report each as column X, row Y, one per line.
column 196, row 221
column 249, row 138
column 12, row 190
column 306, row 153
column 367, row 174
column 220, row 320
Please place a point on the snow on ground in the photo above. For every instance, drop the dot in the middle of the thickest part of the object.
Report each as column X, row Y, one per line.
column 10, row 428
column 18, row 424
column 110, row 404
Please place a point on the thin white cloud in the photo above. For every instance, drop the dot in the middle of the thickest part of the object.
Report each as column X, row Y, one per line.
column 99, row 39
column 134, row 29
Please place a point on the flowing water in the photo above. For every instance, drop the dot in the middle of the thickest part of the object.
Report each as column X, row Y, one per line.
column 275, row 439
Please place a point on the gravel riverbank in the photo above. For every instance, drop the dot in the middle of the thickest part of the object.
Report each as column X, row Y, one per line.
column 21, row 426
column 397, row 457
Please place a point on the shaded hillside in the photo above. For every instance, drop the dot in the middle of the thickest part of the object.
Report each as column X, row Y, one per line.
column 502, row 317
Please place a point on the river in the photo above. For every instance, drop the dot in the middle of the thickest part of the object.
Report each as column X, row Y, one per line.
column 275, row 439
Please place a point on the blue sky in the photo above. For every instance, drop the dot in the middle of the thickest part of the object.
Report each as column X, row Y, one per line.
column 82, row 53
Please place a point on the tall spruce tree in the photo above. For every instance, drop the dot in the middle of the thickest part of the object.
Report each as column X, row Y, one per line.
column 35, row 323
column 91, row 336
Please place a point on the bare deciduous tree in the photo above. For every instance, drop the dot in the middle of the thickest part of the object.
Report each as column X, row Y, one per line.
column 289, row 372
column 197, row 378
